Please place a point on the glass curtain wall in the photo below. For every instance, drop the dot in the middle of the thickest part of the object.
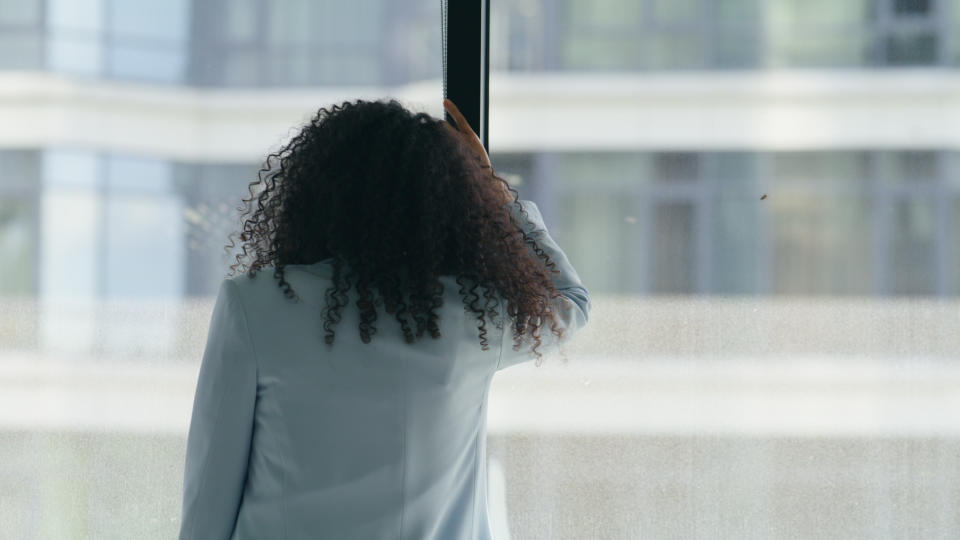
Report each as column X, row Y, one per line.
column 773, row 343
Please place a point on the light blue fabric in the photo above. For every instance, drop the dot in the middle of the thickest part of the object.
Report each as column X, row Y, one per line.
column 290, row 440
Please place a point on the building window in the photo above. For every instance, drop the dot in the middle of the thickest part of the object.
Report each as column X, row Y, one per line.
column 296, row 43
column 210, row 195
column 19, row 227
column 21, row 34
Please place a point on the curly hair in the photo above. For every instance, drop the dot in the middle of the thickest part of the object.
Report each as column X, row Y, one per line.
column 396, row 201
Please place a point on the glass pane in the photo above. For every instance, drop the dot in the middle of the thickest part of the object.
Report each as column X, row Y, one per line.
column 79, row 16
column 70, row 245
column 674, row 50
column 18, row 241
column 239, row 68
column 600, row 53
column 241, row 21
column 166, row 22
column 737, row 12
column 908, row 49
column 78, row 53
column 517, row 169
column 673, row 255
column 305, row 22
column 612, row 171
column 676, row 167
column 736, row 230
column 71, row 169
column 913, row 261
column 774, row 317
column 911, row 7
column 597, row 221
column 516, row 41
column 737, row 47
column 20, row 12
column 138, row 175
column 821, row 13
column 820, row 215
column 19, row 171
column 601, row 13
column 953, row 26
column 596, row 239
column 911, row 167
column 149, row 64
column 834, row 48
column 21, row 50
column 210, row 193
column 679, row 10
column 344, row 69
column 144, row 247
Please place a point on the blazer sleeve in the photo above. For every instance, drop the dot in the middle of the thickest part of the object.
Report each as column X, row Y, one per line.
column 218, row 441
column 571, row 311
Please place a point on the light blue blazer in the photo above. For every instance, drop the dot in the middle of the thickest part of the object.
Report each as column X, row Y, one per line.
column 292, row 440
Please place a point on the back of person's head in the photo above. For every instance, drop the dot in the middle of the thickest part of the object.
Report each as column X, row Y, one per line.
column 395, row 201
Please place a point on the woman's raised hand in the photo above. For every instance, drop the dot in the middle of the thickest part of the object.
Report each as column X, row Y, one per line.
column 470, row 138
column 465, row 133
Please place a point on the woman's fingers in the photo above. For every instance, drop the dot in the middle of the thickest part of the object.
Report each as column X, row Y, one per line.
column 464, row 131
column 461, row 121
column 455, row 114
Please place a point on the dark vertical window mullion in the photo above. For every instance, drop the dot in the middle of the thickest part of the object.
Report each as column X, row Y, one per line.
column 485, row 77
column 467, row 69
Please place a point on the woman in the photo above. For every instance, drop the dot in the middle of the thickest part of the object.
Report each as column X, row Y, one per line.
column 372, row 220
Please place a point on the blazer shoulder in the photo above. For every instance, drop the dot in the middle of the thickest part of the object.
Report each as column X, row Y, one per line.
column 263, row 289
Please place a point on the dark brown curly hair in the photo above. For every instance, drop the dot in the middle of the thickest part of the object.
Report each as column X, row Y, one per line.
column 396, row 201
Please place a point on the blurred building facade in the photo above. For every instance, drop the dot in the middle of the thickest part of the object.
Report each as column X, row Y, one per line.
column 701, row 148
column 837, row 111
